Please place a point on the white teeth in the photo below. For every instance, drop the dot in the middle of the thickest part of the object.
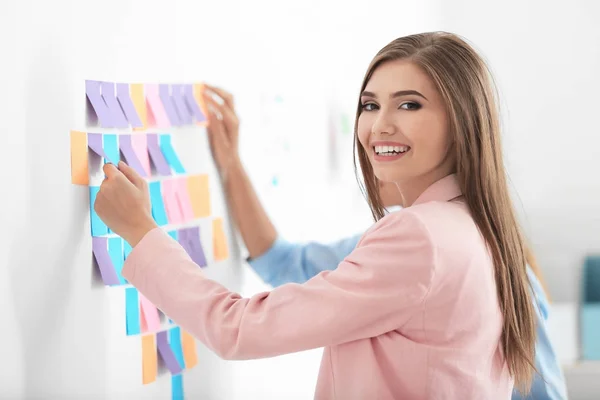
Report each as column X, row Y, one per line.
column 390, row 150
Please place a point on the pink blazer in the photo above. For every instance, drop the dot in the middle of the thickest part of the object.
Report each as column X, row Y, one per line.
column 411, row 313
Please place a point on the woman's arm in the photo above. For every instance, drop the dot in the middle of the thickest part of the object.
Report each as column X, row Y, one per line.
column 376, row 289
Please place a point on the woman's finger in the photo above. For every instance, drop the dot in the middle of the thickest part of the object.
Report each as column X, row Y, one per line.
column 230, row 118
column 225, row 95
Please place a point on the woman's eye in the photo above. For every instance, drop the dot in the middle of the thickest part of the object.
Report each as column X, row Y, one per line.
column 410, row 105
column 369, row 107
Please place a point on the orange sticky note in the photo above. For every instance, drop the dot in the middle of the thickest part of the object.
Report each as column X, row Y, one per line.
column 149, row 359
column 199, row 196
column 219, row 240
column 139, row 102
column 189, row 350
column 198, row 90
column 79, row 158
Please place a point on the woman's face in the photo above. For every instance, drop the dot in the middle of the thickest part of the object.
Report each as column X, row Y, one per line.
column 403, row 126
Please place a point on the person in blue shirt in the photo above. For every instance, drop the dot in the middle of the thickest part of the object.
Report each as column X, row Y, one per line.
column 278, row 261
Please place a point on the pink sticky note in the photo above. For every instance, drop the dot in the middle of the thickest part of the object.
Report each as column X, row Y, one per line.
column 169, row 192
column 156, row 107
column 183, row 197
column 139, row 142
column 150, row 314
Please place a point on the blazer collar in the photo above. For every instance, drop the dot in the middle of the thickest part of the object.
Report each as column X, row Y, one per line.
column 445, row 189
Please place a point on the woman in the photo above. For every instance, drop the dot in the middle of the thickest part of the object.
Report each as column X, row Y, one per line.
column 411, row 312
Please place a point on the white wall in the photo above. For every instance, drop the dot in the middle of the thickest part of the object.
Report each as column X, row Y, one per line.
column 546, row 58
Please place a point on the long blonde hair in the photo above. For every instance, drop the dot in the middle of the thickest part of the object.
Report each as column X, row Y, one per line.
column 467, row 88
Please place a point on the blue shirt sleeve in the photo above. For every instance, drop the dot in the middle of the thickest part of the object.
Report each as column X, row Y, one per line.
column 287, row 262
column 549, row 381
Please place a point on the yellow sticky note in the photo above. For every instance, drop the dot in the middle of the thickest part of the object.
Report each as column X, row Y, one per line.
column 219, row 240
column 198, row 89
column 189, row 350
column 139, row 102
column 149, row 359
column 199, row 195
column 79, row 158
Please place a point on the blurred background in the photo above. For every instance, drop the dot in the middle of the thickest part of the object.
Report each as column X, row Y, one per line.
column 295, row 68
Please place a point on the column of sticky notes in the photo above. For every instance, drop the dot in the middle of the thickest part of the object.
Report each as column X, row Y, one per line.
column 179, row 198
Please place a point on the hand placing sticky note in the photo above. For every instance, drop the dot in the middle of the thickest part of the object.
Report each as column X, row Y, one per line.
column 189, row 350
column 149, row 359
column 157, row 156
column 132, row 311
column 199, row 195
column 166, row 353
column 124, row 99
column 92, row 91
column 158, row 207
column 99, row 228
column 79, row 159
column 219, row 240
column 151, row 319
column 169, row 152
column 104, row 261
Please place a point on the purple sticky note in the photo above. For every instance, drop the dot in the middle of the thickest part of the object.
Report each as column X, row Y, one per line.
column 177, row 94
column 164, row 92
column 130, row 157
column 124, row 98
column 188, row 91
column 108, row 94
column 92, row 90
column 189, row 239
column 105, row 264
column 157, row 156
column 95, row 143
column 166, row 353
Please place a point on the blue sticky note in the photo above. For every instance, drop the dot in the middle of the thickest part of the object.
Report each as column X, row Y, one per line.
column 132, row 311
column 175, row 342
column 115, row 250
column 590, row 331
column 158, row 206
column 169, row 152
column 177, row 387
column 173, row 234
column 111, row 148
column 126, row 249
column 99, row 228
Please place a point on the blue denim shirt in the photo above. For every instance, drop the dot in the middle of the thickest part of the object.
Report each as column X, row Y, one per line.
column 288, row 262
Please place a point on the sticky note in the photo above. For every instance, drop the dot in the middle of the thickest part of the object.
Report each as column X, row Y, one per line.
column 92, row 90
column 157, row 156
column 189, row 238
column 183, row 199
column 169, row 192
column 126, row 249
column 164, row 92
column 189, row 350
column 151, row 319
column 177, row 387
column 111, row 148
column 96, row 144
column 124, row 99
column 175, row 341
column 104, row 261
column 139, row 102
column 171, row 156
column 109, row 97
column 166, row 353
column 178, row 97
column 219, row 240
column 132, row 311
column 199, row 196
column 130, row 155
column 173, row 234
column 158, row 207
column 79, row 159
column 99, row 228
column 149, row 359
column 115, row 249
column 155, row 107
column 197, row 99
column 139, row 142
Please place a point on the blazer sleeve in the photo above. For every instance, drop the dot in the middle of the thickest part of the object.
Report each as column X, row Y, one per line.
column 375, row 290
